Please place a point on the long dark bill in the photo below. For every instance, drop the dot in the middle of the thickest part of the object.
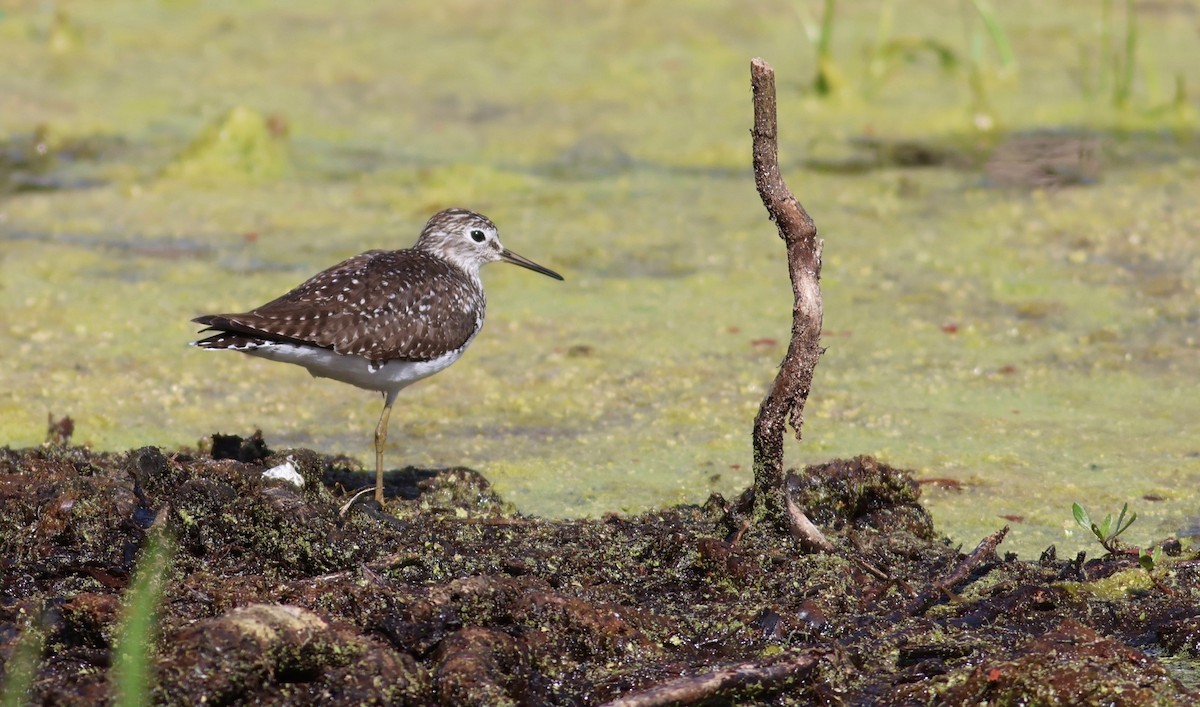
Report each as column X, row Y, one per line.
column 510, row 257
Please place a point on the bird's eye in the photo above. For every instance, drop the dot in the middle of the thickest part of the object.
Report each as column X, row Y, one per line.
column 478, row 236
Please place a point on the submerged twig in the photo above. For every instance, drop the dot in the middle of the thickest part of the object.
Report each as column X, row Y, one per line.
column 758, row 676
column 785, row 400
column 400, row 557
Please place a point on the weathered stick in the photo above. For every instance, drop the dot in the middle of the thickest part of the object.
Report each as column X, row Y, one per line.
column 810, row 536
column 983, row 551
column 753, row 678
column 785, row 400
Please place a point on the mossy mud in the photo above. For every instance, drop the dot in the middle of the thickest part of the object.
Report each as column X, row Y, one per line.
column 446, row 595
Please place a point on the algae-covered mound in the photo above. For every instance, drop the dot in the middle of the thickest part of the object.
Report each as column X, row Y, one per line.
column 275, row 595
column 240, row 146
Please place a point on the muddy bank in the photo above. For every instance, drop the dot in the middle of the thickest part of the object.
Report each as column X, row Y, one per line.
column 446, row 595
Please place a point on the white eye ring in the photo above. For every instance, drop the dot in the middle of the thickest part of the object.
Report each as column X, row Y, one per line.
column 478, row 236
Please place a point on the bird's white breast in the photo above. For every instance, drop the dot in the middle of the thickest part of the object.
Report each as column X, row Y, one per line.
column 355, row 370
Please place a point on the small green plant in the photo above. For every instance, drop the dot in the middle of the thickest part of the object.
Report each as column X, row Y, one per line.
column 1106, row 532
column 1150, row 559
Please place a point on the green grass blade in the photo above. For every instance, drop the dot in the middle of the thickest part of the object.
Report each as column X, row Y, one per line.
column 1123, row 86
column 131, row 671
column 825, row 41
column 1008, row 61
column 21, row 669
column 1123, row 528
column 877, row 67
column 1121, row 517
column 826, row 81
column 884, row 30
column 1107, row 56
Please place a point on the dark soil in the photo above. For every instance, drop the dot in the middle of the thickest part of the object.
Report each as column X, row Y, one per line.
column 448, row 596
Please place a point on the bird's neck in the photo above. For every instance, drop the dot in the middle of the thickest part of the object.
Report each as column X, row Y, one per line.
column 468, row 266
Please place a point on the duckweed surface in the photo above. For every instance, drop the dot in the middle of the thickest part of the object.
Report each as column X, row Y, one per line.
column 1011, row 260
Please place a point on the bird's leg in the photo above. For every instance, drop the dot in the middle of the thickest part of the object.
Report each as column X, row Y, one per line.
column 380, row 439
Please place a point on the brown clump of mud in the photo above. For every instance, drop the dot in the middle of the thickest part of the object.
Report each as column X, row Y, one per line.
column 448, row 596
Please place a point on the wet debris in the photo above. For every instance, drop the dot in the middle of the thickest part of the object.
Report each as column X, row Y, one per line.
column 42, row 161
column 445, row 595
column 248, row 450
column 58, row 432
column 285, row 472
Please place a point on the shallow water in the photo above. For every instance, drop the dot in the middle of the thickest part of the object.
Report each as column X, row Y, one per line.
column 1038, row 346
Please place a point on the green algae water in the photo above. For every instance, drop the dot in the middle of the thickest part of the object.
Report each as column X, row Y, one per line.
column 1037, row 345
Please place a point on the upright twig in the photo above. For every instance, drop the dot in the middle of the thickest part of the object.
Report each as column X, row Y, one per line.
column 785, row 400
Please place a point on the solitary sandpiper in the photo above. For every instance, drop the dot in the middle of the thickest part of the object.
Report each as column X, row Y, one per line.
column 382, row 320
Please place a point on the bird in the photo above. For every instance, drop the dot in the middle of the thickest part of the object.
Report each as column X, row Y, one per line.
column 381, row 320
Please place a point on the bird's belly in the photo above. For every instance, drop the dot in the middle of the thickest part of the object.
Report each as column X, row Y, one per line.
column 355, row 370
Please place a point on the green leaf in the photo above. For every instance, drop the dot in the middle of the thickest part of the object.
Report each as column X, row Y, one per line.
column 1121, row 519
column 1081, row 516
column 1150, row 559
column 1123, row 528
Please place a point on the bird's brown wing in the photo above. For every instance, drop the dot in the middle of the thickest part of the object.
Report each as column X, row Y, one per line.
column 381, row 305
